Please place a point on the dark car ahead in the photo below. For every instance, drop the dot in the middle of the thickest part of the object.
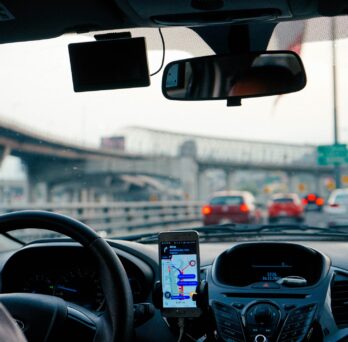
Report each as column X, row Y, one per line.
column 313, row 202
column 231, row 206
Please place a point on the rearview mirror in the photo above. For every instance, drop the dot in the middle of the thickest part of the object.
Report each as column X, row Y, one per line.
column 234, row 76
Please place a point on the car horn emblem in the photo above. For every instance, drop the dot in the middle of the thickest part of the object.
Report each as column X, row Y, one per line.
column 20, row 324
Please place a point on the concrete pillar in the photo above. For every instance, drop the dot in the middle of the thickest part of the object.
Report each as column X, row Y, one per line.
column 91, row 195
column 317, row 184
column 188, row 174
column 75, row 195
column 323, row 189
column 230, row 181
column 291, row 182
column 4, row 152
column 26, row 192
column 203, row 186
column 84, row 195
column 40, row 192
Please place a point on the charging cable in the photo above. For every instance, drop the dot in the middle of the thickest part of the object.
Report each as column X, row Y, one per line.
column 181, row 325
column 163, row 53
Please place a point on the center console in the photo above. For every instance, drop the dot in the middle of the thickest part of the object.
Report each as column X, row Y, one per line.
column 268, row 292
column 261, row 322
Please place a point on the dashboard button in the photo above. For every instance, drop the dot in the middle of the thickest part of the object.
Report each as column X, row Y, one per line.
column 223, row 315
column 231, row 333
column 293, row 326
column 221, row 307
column 260, row 338
column 297, row 323
column 230, row 324
column 297, row 318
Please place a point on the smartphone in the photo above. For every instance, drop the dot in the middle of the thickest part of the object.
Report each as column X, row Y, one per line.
column 179, row 268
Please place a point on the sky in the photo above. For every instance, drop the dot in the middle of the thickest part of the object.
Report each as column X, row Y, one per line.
column 36, row 91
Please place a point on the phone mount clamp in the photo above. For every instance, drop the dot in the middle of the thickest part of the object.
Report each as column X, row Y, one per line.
column 201, row 296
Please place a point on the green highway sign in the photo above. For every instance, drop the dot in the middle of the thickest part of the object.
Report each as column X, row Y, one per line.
column 332, row 154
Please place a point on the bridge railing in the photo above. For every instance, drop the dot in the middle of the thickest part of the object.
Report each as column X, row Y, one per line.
column 116, row 218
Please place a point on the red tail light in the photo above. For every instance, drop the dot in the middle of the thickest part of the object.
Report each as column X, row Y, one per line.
column 311, row 197
column 207, row 210
column 334, row 205
column 304, row 202
column 243, row 208
column 319, row 202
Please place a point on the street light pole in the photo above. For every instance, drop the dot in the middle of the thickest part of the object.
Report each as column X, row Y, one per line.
column 335, row 116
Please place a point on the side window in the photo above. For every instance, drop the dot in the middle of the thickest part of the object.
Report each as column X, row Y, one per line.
column 342, row 198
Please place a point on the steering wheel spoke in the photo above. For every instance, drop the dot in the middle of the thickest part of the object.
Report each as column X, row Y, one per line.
column 82, row 325
column 39, row 316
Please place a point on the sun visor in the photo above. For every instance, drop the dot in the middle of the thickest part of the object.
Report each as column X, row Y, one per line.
column 205, row 12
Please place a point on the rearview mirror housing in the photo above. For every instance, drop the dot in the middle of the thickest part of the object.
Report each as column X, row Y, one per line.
column 234, row 76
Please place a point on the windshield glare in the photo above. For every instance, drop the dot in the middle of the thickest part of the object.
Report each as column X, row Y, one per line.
column 130, row 161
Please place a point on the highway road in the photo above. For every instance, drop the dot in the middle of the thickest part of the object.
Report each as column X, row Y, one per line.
column 317, row 219
column 322, row 219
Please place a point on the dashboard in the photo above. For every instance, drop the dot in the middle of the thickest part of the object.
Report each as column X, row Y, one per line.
column 247, row 296
column 269, row 291
column 68, row 272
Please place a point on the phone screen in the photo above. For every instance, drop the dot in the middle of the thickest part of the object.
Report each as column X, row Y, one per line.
column 179, row 272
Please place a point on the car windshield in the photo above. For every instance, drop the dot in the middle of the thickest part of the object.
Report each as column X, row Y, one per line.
column 131, row 161
column 283, row 200
column 341, row 199
column 226, row 200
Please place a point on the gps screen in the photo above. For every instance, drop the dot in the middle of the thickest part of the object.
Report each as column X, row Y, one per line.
column 179, row 273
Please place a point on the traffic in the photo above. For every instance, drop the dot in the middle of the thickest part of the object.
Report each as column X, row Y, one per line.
column 242, row 207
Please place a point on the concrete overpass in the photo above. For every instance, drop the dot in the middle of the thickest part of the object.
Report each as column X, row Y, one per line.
column 26, row 143
column 184, row 158
column 228, row 155
column 50, row 161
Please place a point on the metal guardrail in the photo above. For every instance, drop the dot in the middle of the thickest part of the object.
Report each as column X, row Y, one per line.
column 114, row 218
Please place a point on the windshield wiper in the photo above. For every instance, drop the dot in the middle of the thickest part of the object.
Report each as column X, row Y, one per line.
column 240, row 230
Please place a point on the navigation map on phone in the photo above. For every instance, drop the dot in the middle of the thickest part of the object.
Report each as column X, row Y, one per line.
column 179, row 273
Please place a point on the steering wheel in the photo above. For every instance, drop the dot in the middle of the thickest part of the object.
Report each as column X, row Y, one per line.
column 49, row 318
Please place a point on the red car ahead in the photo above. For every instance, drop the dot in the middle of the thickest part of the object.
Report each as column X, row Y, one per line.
column 285, row 206
column 231, row 206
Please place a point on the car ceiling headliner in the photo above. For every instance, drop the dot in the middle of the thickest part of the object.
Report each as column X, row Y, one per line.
column 23, row 20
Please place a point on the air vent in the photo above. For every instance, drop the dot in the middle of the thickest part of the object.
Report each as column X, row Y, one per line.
column 339, row 300
column 5, row 14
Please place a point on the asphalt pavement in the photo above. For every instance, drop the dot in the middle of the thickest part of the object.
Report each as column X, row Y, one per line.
column 317, row 219
column 323, row 219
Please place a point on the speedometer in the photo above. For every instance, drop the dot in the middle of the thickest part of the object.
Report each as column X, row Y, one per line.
column 38, row 283
column 82, row 287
